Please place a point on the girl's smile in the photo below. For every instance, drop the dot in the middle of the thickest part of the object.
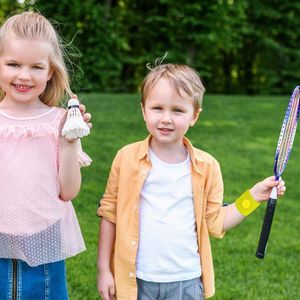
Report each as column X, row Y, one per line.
column 24, row 70
column 22, row 88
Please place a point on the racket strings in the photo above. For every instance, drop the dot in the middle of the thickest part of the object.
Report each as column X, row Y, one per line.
column 287, row 133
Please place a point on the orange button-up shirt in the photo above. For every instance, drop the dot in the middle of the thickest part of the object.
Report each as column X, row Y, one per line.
column 121, row 201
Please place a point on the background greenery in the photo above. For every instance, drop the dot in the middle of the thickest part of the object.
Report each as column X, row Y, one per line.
column 238, row 47
column 241, row 132
column 244, row 47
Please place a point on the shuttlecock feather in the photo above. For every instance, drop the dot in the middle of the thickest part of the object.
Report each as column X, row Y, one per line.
column 74, row 127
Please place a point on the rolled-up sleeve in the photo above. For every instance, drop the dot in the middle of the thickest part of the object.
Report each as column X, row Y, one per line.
column 215, row 212
column 108, row 203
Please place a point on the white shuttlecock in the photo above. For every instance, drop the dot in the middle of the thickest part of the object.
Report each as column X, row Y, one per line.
column 74, row 127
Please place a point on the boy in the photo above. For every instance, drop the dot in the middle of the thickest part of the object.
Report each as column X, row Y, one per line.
column 164, row 198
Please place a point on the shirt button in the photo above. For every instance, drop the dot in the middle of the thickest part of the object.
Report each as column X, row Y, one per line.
column 144, row 172
column 131, row 275
column 135, row 207
column 133, row 243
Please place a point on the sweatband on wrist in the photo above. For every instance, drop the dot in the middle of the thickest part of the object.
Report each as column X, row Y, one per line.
column 246, row 204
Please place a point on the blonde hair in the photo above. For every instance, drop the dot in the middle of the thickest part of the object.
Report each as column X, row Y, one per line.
column 34, row 26
column 182, row 77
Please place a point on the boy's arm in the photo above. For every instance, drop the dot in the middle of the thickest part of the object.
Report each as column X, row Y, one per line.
column 232, row 217
column 105, row 280
column 107, row 232
column 260, row 192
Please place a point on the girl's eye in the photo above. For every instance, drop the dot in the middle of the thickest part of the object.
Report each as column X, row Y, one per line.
column 37, row 67
column 157, row 108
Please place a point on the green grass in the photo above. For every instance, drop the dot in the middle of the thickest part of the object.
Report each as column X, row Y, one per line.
column 241, row 132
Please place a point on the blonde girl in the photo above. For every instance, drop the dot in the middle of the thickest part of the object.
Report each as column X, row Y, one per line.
column 40, row 170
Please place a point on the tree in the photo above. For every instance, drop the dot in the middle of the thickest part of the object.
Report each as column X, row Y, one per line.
column 236, row 46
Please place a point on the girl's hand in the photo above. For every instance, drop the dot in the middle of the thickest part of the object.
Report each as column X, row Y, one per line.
column 86, row 118
column 262, row 190
column 106, row 285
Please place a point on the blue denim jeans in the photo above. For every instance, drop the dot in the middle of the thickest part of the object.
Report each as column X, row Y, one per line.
column 21, row 282
column 178, row 290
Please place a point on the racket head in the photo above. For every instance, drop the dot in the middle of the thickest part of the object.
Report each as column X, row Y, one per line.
column 287, row 133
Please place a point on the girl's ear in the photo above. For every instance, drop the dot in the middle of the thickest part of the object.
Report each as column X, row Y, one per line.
column 50, row 73
column 195, row 117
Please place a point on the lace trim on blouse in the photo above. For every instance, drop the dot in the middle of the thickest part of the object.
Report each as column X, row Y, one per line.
column 36, row 130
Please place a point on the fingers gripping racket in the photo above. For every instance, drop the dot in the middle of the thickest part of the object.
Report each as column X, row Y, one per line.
column 284, row 147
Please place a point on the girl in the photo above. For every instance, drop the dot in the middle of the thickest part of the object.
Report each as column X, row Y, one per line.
column 40, row 170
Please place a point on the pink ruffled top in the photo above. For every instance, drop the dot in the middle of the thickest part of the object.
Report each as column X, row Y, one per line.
column 35, row 224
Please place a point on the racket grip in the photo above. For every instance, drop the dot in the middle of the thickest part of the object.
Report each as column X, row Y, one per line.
column 266, row 228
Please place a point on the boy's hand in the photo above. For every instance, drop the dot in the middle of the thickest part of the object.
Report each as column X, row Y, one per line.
column 106, row 285
column 262, row 190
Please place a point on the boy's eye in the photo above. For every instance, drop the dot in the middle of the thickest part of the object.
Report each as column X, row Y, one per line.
column 178, row 110
column 13, row 65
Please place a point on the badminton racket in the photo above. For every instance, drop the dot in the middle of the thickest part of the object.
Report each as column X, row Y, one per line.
column 283, row 151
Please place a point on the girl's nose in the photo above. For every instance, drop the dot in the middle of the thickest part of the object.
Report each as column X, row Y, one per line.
column 24, row 74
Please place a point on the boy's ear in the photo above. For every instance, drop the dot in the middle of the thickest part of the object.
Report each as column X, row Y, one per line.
column 195, row 117
column 143, row 111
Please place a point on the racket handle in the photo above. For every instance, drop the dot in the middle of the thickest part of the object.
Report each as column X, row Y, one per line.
column 266, row 228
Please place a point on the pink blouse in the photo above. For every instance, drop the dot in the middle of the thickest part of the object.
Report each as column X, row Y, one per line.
column 36, row 226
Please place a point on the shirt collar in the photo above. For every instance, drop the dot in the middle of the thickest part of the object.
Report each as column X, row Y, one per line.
column 144, row 148
column 195, row 157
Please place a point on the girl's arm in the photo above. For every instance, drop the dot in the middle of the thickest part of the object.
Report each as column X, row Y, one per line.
column 260, row 192
column 105, row 281
column 69, row 167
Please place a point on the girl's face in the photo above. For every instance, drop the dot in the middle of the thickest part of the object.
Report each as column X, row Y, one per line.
column 24, row 70
column 167, row 114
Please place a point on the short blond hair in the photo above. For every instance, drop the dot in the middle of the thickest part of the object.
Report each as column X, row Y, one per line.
column 33, row 26
column 182, row 77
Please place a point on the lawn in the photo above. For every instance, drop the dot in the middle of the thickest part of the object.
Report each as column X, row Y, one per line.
column 241, row 132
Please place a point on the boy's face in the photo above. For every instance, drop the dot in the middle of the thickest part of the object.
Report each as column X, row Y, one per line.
column 167, row 114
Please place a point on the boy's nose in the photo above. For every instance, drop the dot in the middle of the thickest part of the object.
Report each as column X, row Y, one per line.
column 166, row 119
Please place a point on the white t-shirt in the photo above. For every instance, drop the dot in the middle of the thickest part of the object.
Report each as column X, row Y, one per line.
column 168, row 249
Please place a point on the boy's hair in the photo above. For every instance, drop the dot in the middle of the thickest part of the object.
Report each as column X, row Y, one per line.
column 182, row 77
column 34, row 26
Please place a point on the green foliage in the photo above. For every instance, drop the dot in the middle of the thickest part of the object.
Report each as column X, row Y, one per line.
column 242, row 47
column 241, row 132
column 95, row 31
column 8, row 8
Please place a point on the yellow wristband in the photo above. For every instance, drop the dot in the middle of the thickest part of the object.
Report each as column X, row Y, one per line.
column 246, row 204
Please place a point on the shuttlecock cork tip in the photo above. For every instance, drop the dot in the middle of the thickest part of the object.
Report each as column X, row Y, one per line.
column 73, row 103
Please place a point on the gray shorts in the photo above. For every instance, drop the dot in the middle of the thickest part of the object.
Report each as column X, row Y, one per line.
column 178, row 290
